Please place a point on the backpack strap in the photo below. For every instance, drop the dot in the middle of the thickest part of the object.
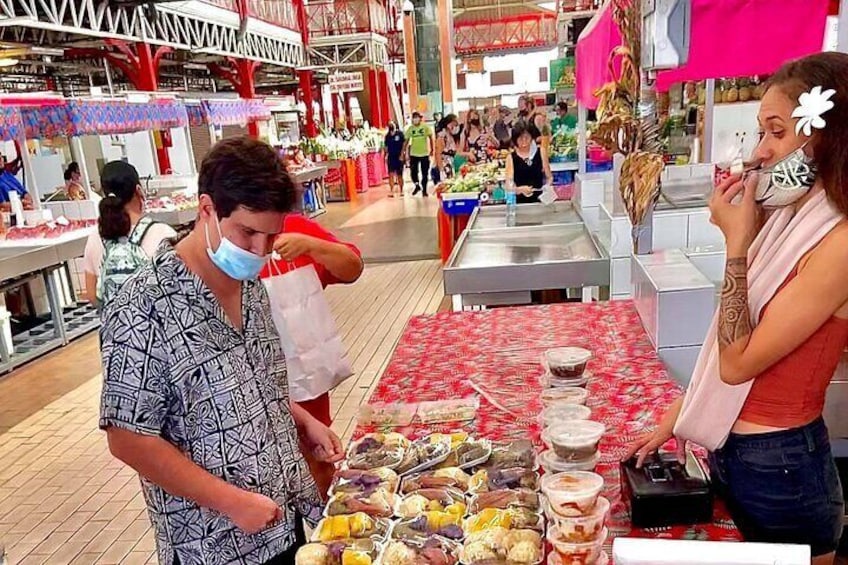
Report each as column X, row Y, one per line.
column 140, row 230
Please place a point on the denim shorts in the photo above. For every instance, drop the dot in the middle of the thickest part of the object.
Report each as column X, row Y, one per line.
column 782, row 487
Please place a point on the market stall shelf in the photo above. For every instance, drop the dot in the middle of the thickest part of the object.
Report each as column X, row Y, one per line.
column 495, row 356
column 494, row 217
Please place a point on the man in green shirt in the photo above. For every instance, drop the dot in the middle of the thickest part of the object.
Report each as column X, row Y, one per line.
column 419, row 149
column 563, row 120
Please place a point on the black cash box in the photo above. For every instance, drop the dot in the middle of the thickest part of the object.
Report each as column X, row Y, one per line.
column 665, row 493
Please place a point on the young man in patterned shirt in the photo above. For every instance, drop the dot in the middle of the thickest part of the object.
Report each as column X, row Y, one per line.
column 195, row 396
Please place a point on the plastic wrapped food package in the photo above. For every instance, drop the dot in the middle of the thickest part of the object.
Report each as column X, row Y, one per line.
column 455, row 410
column 361, row 481
column 378, row 503
column 551, row 463
column 575, row 440
column 469, row 453
column 572, row 493
column 387, row 414
column 344, row 552
column 455, row 438
column 449, row 477
column 486, row 480
column 498, row 544
column 431, row 500
column 511, row 455
column 577, row 553
column 564, row 395
column 429, row 524
column 424, row 454
column 567, row 363
column 430, row 551
column 549, row 381
column 350, row 526
column 503, row 499
column 378, row 450
column 563, row 413
column 511, row 519
column 580, row 529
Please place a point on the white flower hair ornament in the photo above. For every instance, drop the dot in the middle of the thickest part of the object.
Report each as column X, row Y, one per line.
column 811, row 106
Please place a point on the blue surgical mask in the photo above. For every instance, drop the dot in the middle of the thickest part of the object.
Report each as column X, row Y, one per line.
column 235, row 262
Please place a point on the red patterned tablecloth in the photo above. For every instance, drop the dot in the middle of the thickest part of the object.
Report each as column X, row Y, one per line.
column 496, row 355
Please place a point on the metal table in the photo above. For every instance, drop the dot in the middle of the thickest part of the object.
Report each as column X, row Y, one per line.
column 24, row 261
column 494, row 217
column 503, row 266
column 315, row 176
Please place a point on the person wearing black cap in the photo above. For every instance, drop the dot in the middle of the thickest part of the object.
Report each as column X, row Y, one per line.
column 419, row 147
column 121, row 218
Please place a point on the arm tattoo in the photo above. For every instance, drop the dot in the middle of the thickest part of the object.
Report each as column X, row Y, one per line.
column 734, row 321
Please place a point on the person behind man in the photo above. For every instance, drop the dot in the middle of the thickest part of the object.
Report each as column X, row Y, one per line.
column 394, row 144
column 9, row 183
column 73, row 182
column 195, row 395
column 419, row 145
column 502, row 130
column 563, row 120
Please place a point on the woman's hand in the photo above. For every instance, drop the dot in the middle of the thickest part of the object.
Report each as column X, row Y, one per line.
column 525, row 190
column 650, row 442
column 290, row 246
column 739, row 222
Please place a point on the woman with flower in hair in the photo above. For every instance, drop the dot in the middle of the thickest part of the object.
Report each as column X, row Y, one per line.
column 758, row 390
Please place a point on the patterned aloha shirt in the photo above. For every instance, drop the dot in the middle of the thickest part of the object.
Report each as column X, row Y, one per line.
column 174, row 367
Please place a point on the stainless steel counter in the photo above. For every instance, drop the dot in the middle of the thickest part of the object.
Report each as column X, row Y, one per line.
column 494, row 217
column 314, row 173
column 523, row 259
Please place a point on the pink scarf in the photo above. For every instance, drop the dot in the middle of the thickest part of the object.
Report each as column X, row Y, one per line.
column 711, row 407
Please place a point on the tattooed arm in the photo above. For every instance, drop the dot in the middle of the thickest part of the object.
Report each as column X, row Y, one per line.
column 815, row 294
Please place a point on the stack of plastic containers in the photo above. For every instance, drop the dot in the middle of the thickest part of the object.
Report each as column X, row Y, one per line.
column 576, row 512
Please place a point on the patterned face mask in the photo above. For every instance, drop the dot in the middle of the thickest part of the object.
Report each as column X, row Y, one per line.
column 787, row 181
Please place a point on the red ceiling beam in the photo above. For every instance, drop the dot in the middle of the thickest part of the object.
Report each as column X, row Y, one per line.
column 512, row 33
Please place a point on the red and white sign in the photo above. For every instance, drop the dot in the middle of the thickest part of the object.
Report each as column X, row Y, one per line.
column 346, row 82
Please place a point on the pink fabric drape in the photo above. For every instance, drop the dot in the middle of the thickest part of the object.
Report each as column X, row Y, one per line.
column 729, row 38
column 592, row 55
column 741, row 38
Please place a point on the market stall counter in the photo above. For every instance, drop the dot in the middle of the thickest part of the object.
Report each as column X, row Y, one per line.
column 492, row 360
column 26, row 260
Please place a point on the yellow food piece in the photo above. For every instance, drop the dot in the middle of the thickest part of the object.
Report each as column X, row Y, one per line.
column 353, row 557
column 360, row 524
column 480, row 481
column 435, row 506
column 438, row 520
column 457, row 509
column 339, row 527
column 488, row 518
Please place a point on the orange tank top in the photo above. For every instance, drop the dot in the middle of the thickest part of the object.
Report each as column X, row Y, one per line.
column 791, row 392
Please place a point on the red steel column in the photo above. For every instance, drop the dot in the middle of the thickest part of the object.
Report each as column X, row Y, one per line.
column 385, row 96
column 375, row 104
column 348, row 110
column 148, row 82
column 334, row 99
column 246, row 88
column 322, row 118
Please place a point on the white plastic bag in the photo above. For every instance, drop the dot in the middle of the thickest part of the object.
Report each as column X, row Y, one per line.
column 316, row 358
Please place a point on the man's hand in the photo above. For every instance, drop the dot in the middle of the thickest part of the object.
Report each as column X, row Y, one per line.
column 253, row 512
column 290, row 246
column 325, row 444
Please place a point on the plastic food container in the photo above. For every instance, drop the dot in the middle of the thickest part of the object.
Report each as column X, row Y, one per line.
column 588, row 553
column 573, row 493
column 547, row 380
column 555, row 559
column 551, row 463
column 560, row 413
column 581, row 529
column 567, row 362
column 575, row 440
column 564, row 395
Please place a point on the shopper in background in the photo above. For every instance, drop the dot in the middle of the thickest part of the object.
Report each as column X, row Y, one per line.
column 448, row 144
column 542, row 130
column 73, row 187
column 393, row 148
column 305, row 242
column 502, row 130
column 528, row 167
column 782, row 323
column 563, row 120
column 126, row 239
column 195, row 396
column 10, row 183
column 476, row 141
column 418, row 147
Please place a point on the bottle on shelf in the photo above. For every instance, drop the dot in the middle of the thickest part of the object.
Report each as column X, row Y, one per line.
column 16, row 209
column 511, row 203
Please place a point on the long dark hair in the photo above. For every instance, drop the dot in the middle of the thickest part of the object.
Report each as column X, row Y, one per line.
column 72, row 169
column 829, row 145
column 120, row 184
